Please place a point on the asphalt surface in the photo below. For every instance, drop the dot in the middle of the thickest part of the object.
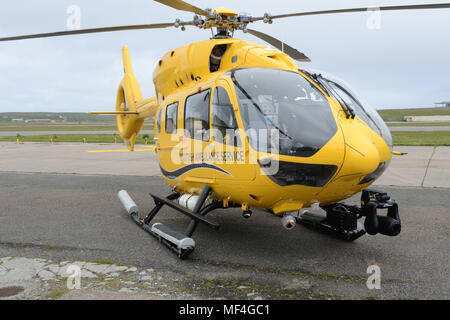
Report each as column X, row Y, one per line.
column 78, row 217
column 419, row 167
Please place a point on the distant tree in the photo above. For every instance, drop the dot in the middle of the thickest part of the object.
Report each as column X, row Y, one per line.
column 146, row 137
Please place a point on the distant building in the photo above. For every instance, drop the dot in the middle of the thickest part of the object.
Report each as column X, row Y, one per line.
column 17, row 120
column 444, row 104
column 40, row 121
column 426, row 118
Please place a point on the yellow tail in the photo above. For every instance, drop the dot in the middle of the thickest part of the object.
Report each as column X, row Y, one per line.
column 131, row 108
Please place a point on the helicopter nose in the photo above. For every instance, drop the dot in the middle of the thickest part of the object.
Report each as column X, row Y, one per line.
column 362, row 156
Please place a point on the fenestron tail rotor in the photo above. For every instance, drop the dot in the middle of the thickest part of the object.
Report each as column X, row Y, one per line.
column 226, row 21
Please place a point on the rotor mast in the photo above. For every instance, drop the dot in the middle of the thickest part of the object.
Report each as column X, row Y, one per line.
column 224, row 20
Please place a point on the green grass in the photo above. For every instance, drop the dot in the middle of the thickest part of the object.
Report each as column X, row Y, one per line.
column 71, row 116
column 102, row 261
column 419, row 124
column 90, row 138
column 398, row 114
column 401, row 138
column 24, row 127
column 421, row 138
column 435, row 138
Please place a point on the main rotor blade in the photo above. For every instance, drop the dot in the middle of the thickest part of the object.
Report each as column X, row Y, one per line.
column 184, row 6
column 84, row 31
column 292, row 52
column 385, row 8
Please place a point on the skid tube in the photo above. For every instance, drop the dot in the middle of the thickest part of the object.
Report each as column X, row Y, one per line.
column 180, row 243
column 341, row 219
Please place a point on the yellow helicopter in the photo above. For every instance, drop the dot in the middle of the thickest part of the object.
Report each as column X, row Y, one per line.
column 239, row 124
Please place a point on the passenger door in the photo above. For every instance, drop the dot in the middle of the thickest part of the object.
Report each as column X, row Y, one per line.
column 194, row 167
column 228, row 148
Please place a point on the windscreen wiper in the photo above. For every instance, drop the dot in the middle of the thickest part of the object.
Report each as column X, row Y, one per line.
column 314, row 78
column 321, row 82
column 349, row 112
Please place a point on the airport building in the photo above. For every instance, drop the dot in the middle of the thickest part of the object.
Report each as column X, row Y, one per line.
column 444, row 104
column 41, row 121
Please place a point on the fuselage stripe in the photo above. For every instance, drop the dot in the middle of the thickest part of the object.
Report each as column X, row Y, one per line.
column 176, row 173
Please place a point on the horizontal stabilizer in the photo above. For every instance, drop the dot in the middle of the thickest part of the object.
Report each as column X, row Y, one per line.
column 113, row 112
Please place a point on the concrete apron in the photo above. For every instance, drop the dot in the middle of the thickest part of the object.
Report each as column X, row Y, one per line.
column 421, row 167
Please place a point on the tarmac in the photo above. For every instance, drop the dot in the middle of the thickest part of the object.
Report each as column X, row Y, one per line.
column 420, row 167
column 59, row 210
column 75, row 158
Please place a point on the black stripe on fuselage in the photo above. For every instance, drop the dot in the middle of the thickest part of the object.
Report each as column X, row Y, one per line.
column 176, row 173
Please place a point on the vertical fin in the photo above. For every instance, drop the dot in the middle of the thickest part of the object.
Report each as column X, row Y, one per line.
column 126, row 61
column 129, row 75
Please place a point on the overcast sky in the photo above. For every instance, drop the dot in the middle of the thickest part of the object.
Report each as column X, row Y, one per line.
column 405, row 63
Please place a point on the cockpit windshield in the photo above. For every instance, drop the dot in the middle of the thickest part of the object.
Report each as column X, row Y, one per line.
column 283, row 113
column 361, row 108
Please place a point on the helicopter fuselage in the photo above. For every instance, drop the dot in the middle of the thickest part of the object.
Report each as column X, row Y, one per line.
column 247, row 121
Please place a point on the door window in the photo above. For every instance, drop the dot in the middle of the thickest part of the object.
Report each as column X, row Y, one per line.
column 224, row 123
column 171, row 118
column 158, row 120
column 196, row 115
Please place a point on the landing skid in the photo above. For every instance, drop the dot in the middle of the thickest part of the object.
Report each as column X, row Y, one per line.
column 341, row 219
column 180, row 243
column 319, row 222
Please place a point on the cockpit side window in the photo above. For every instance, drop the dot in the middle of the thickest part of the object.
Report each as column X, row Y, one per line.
column 158, row 120
column 362, row 110
column 196, row 115
column 352, row 103
column 224, row 125
column 171, row 118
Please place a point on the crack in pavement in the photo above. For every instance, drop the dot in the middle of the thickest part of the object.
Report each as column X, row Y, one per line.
column 428, row 166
